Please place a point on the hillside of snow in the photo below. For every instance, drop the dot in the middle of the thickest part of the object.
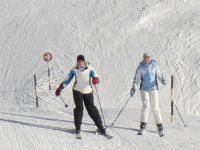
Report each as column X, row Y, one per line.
column 27, row 128
column 113, row 35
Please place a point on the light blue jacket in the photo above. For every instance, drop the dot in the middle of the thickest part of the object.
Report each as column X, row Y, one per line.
column 147, row 75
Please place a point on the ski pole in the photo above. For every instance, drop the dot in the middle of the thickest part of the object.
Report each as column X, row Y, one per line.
column 100, row 105
column 121, row 111
column 180, row 116
column 66, row 105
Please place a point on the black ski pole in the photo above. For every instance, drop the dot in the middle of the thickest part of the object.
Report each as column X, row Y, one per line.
column 121, row 111
column 100, row 105
column 180, row 116
column 66, row 105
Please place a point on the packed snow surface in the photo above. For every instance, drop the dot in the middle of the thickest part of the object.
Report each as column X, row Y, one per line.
column 113, row 35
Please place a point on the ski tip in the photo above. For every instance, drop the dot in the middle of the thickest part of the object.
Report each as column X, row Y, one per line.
column 108, row 136
column 78, row 137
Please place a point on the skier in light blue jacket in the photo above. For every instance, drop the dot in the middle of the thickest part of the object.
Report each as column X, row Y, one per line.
column 146, row 79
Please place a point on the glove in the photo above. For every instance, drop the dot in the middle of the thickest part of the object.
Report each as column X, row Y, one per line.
column 132, row 92
column 95, row 80
column 163, row 82
column 58, row 90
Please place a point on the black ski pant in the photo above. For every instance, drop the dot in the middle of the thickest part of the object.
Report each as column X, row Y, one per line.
column 88, row 100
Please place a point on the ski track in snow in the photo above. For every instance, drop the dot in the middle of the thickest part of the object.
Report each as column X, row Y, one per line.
column 22, row 130
column 39, row 26
column 112, row 35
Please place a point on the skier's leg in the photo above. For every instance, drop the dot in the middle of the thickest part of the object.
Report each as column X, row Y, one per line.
column 78, row 110
column 93, row 111
column 155, row 106
column 145, row 107
column 156, row 111
column 145, row 112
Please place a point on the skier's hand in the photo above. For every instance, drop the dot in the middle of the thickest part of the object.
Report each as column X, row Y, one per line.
column 163, row 82
column 58, row 90
column 132, row 92
column 95, row 80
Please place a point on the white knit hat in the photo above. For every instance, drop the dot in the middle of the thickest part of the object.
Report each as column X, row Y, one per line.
column 147, row 54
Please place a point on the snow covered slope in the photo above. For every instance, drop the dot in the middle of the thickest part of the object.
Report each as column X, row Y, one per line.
column 113, row 35
column 26, row 128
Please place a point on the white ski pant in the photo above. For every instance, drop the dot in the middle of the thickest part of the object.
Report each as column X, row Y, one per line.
column 150, row 99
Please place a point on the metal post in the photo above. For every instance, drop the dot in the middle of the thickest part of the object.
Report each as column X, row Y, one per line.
column 36, row 96
column 172, row 100
column 49, row 76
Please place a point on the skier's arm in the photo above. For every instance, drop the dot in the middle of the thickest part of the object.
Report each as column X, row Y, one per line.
column 65, row 83
column 160, row 76
column 137, row 78
column 94, row 76
column 136, row 81
column 69, row 78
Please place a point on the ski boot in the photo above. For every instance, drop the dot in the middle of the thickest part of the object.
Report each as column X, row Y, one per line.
column 142, row 128
column 102, row 130
column 78, row 133
column 160, row 130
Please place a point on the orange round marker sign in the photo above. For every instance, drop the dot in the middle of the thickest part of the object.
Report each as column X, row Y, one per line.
column 47, row 56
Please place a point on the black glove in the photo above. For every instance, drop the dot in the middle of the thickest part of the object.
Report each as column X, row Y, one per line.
column 132, row 92
column 163, row 82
